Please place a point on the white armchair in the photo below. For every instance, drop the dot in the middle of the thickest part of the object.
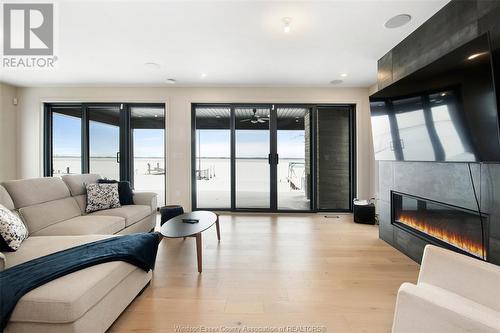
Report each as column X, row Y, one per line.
column 454, row 293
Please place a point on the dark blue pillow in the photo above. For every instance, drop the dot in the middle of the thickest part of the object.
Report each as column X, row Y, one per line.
column 124, row 190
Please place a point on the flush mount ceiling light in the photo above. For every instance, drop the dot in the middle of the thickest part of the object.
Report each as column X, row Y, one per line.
column 152, row 65
column 336, row 82
column 343, row 74
column 287, row 21
column 475, row 55
column 171, row 81
column 397, row 21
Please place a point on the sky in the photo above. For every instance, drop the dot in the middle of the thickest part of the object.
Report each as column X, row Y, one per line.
column 104, row 139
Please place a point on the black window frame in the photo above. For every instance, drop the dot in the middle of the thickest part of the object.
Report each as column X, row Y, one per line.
column 126, row 141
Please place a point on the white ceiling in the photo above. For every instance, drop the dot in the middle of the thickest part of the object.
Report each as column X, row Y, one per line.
column 233, row 42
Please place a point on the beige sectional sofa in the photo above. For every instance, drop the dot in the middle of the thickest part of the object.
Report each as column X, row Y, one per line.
column 53, row 210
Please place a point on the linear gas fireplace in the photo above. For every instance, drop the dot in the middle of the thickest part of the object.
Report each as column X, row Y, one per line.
column 448, row 226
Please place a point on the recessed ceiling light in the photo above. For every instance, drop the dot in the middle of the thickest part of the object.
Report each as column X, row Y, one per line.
column 343, row 74
column 203, row 75
column 336, row 82
column 171, row 81
column 397, row 21
column 287, row 21
column 475, row 55
column 152, row 65
column 156, row 116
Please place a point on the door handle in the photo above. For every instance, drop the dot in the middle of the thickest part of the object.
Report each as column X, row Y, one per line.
column 118, row 157
column 273, row 158
column 277, row 159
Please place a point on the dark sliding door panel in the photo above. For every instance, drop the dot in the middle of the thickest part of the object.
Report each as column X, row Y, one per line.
column 335, row 158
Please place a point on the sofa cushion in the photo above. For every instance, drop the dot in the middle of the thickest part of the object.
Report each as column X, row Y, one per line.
column 132, row 213
column 76, row 183
column 5, row 199
column 12, row 230
column 45, row 214
column 68, row 298
column 81, row 200
column 84, row 225
column 28, row 192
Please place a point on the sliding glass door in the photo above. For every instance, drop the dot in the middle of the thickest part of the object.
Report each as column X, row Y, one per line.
column 104, row 140
column 147, row 153
column 212, row 157
column 265, row 157
column 294, row 158
column 252, row 157
column 120, row 141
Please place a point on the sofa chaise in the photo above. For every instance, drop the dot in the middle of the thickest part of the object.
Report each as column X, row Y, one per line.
column 53, row 210
column 454, row 294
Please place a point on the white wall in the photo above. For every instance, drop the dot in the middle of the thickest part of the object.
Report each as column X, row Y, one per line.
column 8, row 125
column 178, row 101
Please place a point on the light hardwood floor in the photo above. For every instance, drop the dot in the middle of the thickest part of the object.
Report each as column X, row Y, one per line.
column 274, row 271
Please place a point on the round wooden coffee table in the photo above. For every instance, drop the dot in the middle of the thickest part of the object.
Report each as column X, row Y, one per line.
column 177, row 228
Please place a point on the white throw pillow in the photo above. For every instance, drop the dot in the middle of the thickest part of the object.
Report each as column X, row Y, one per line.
column 102, row 196
column 12, row 229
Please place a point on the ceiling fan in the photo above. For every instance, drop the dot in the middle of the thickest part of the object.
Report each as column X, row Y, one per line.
column 255, row 119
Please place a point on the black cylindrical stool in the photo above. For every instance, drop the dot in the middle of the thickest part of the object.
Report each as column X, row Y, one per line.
column 169, row 212
column 364, row 211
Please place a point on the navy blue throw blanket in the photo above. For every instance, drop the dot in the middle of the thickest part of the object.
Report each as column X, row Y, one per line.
column 136, row 249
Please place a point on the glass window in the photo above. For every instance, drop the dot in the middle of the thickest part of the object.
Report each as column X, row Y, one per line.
column 66, row 141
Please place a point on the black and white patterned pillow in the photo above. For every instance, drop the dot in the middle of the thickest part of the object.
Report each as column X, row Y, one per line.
column 12, row 229
column 102, row 196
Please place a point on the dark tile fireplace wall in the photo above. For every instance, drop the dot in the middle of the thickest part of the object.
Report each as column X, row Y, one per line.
column 458, row 22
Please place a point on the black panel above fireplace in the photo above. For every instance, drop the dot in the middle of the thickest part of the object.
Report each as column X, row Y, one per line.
column 452, row 227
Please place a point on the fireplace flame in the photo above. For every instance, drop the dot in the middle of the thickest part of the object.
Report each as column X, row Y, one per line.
column 457, row 240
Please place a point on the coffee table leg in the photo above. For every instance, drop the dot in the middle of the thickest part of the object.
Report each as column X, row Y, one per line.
column 217, row 227
column 198, row 251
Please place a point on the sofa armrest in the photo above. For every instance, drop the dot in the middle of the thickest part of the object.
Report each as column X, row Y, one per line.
column 3, row 261
column 425, row 308
column 471, row 278
column 147, row 199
